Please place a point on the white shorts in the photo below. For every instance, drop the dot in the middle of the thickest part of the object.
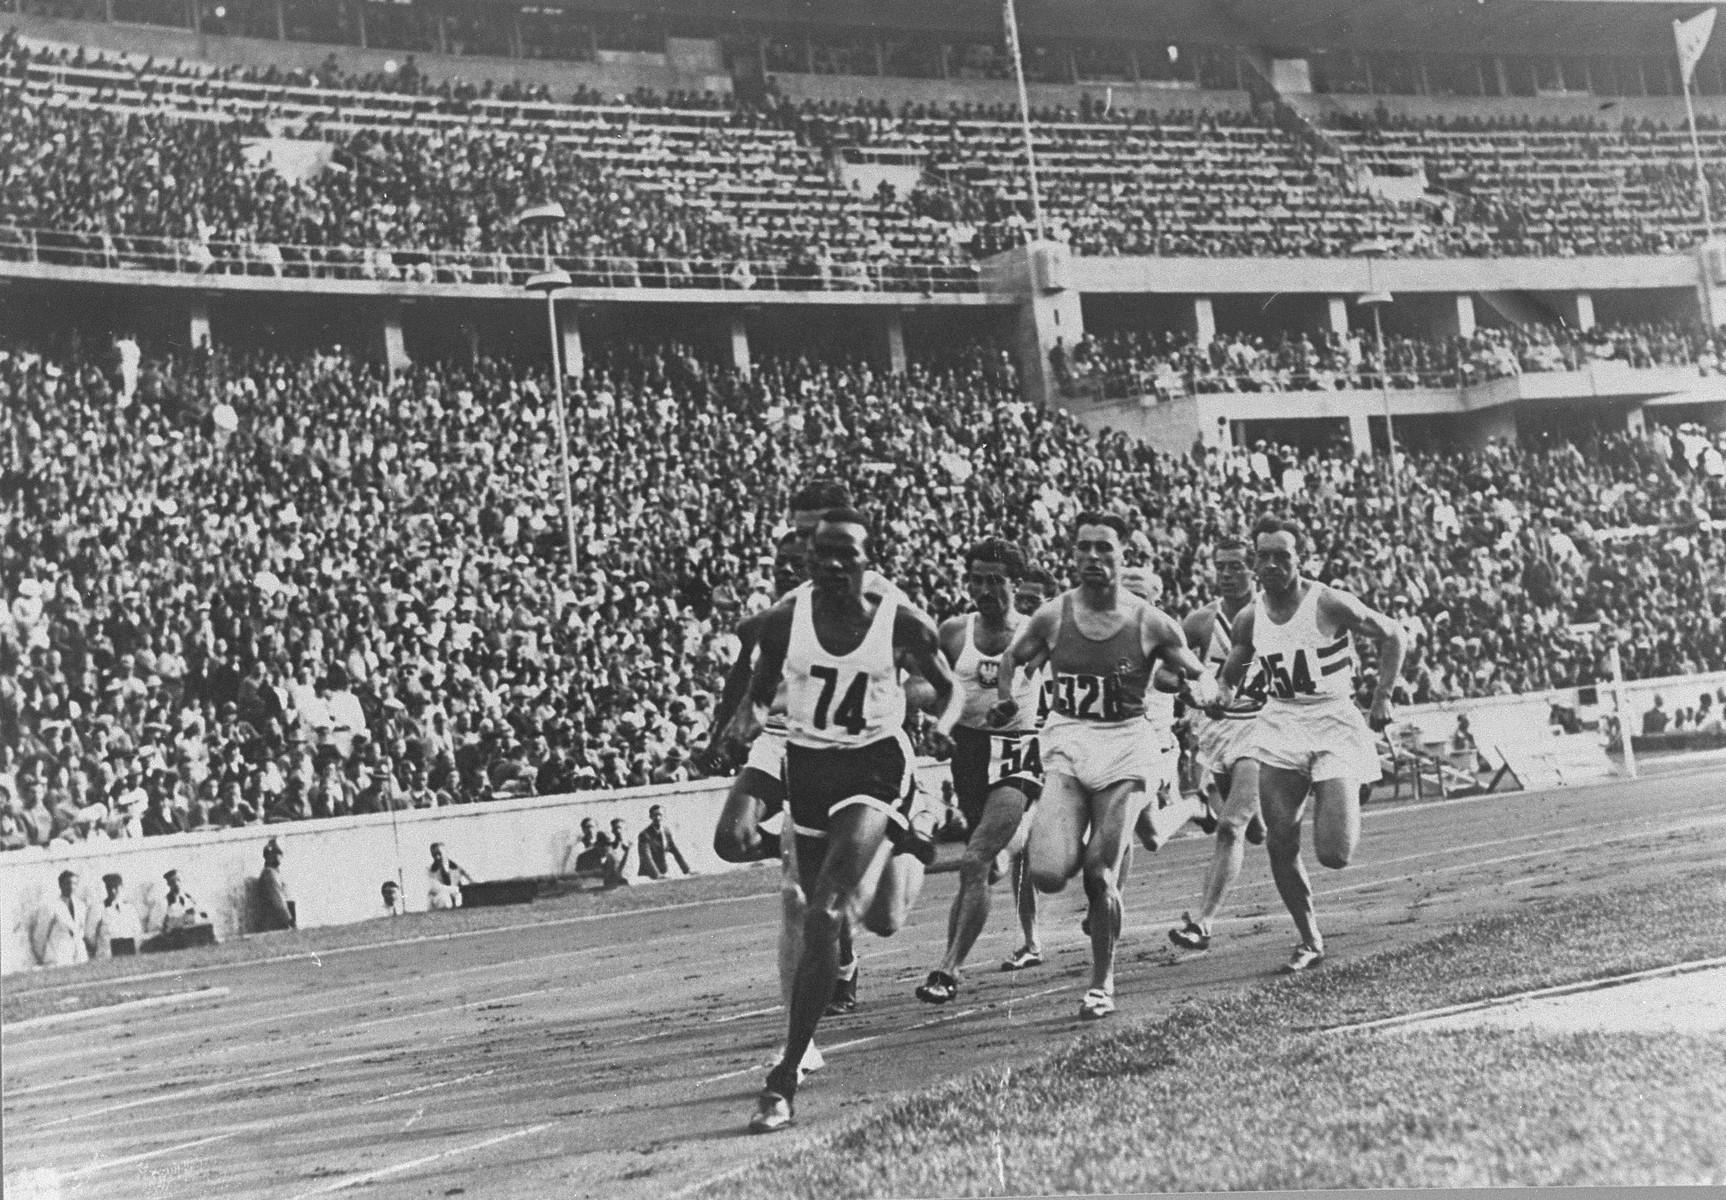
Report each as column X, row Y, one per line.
column 1222, row 743
column 1321, row 741
column 1100, row 755
column 767, row 754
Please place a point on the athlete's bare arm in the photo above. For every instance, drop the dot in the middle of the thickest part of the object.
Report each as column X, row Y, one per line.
column 918, row 644
column 1345, row 613
column 736, row 680
column 1234, row 671
column 953, row 637
column 1166, row 642
column 1197, row 630
column 1030, row 649
column 773, row 639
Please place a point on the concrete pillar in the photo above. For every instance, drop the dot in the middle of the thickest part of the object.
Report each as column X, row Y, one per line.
column 1636, row 421
column 1204, row 324
column 1339, row 315
column 391, row 342
column 893, row 329
column 1584, row 311
column 1046, row 320
column 569, row 323
column 1465, row 315
column 1711, row 284
column 1360, row 434
column 198, row 323
column 739, row 344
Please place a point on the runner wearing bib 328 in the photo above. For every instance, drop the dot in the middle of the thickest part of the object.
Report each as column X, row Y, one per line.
column 1101, row 644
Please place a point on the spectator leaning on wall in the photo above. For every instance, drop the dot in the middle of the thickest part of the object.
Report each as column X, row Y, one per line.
column 59, row 924
column 273, row 909
column 654, row 845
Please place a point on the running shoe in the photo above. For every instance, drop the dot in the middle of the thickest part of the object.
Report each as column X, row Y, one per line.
column 1304, row 958
column 772, row 1113
column 1096, row 1005
column 1190, row 935
column 1256, row 831
column 844, row 995
column 1021, row 959
column 939, row 988
column 1207, row 820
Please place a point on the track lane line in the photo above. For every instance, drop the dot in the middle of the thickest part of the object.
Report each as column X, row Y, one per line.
column 398, row 1168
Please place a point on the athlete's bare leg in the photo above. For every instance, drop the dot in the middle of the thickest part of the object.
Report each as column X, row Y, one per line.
column 1113, row 811
column 1282, row 798
column 1003, row 812
column 1239, row 807
column 1027, row 896
column 1056, row 849
column 1335, row 821
column 739, row 837
column 792, row 910
column 893, row 892
column 832, row 881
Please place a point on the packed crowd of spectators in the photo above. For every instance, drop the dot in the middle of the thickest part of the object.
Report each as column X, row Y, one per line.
column 1163, row 364
column 686, row 188
column 248, row 588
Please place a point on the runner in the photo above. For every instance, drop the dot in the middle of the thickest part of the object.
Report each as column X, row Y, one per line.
column 1309, row 735
column 1226, row 766
column 997, row 774
column 1101, row 645
column 848, row 765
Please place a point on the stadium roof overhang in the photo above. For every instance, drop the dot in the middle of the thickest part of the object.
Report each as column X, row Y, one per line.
column 1464, row 26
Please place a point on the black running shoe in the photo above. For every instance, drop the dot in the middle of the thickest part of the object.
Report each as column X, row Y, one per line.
column 1256, row 831
column 905, row 840
column 844, row 995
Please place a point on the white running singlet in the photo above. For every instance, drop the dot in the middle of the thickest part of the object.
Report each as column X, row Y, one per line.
column 838, row 701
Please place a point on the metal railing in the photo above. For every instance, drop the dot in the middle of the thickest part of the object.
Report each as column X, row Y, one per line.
column 123, row 252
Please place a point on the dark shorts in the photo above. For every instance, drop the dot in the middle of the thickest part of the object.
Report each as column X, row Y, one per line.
column 820, row 782
column 984, row 761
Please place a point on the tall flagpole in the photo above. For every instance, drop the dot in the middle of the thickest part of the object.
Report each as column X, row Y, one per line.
column 1686, row 66
column 1012, row 22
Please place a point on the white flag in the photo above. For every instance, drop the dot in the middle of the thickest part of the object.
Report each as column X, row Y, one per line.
column 1692, row 38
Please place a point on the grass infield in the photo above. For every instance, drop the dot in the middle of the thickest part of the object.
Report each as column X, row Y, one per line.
column 1246, row 1093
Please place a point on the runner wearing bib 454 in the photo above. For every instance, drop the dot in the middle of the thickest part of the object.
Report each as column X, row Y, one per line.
column 1100, row 644
column 1309, row 735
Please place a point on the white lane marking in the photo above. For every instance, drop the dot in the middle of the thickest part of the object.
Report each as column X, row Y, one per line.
column 319, row 955
column 93, row 1168
column 1563, row 989
column 215, row 993
column 414, row 1091
column 383, row 1172
column 245, row 1081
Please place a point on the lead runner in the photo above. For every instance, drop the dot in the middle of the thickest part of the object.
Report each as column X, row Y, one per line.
column 849, row 768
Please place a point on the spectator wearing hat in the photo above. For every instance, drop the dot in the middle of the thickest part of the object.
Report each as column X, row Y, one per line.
column 392, row 894
column 33, row 816
column 59, row 925
column 273, row 910
column 445, row 879
column 174, row 909
column 12, row 833
column 115, row 919
column 655, row 845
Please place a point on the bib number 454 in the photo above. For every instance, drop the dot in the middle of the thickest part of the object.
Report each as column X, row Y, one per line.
column 1287, row 682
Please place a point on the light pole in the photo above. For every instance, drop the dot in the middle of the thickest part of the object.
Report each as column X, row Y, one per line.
column 1371, row 249
column 550, row 280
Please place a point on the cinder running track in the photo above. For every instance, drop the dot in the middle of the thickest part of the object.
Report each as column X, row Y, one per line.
column 619, row 1055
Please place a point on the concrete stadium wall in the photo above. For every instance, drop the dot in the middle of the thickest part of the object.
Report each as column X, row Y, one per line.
column 1352, row 276
column 942, row 92
column 1505, row 716
column 1666, row 110
column 334, row 869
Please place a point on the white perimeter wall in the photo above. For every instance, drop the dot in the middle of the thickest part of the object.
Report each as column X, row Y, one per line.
column 335, row 868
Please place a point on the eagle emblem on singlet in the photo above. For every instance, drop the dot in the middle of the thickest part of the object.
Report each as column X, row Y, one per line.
column 988, row 672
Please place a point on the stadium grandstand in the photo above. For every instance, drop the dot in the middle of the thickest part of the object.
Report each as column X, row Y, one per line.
column 286, row 429
column 313, row 257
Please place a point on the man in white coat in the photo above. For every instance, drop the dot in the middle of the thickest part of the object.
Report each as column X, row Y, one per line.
column 57, row 927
